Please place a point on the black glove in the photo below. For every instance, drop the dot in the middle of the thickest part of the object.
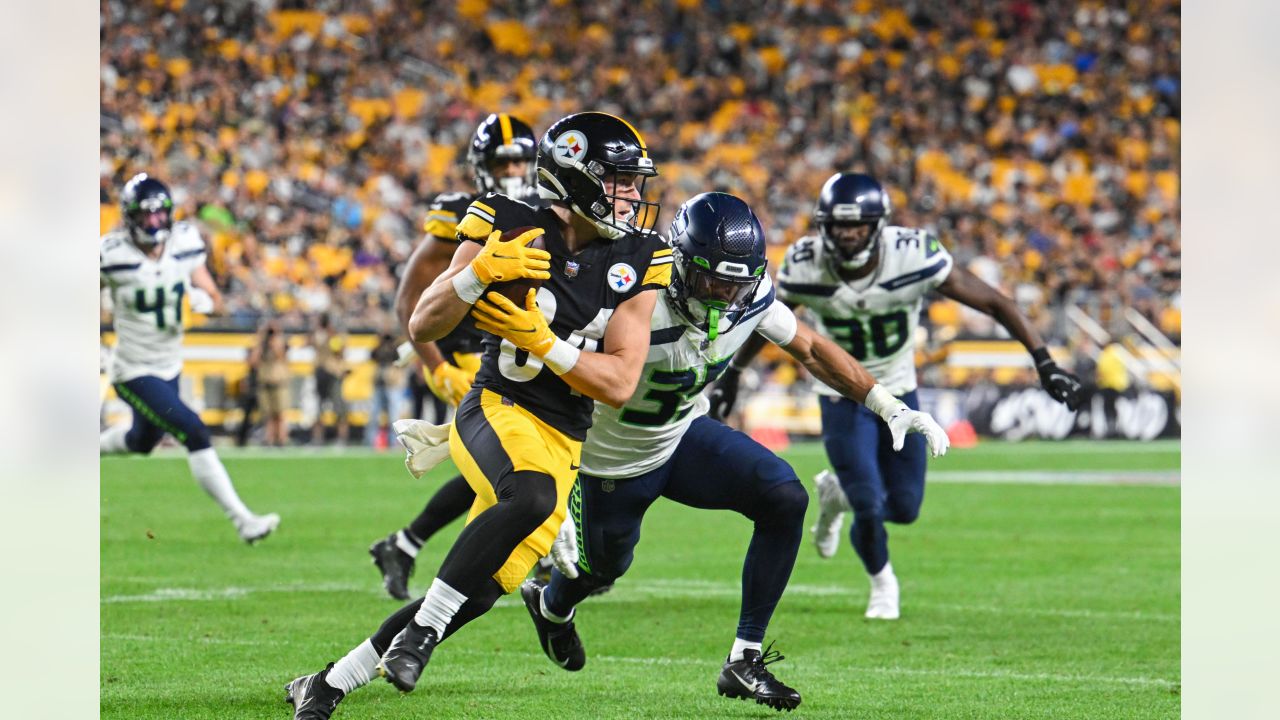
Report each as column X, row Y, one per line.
column 1060, row 384
column 724, row 394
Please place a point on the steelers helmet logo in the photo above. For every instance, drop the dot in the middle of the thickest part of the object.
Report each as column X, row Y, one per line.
column 570, row 148
column 622, row 277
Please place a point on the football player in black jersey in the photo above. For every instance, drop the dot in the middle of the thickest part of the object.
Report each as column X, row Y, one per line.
column 517, row 436
column 501, row 156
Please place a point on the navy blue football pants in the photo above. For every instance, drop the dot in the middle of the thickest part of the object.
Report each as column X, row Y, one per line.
column 882, row 485
column 713, row 468
column 157, row 410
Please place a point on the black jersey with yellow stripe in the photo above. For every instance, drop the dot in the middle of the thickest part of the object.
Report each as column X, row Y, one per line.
column 441, row 225
column 584, row 290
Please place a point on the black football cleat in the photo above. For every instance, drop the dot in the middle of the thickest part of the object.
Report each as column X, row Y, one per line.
column 749, row 678
column 410, row 651
column 312, row 697
column 395, row 565
column 559, row 641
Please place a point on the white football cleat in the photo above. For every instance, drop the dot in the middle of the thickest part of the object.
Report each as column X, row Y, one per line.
column 832, row 505
column 257, row 527
column 884, row 595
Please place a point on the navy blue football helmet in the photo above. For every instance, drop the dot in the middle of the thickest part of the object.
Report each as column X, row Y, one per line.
column 853, row 209
column 503, row 138
column 147, row 207
column 580, row 153
column 718, row 249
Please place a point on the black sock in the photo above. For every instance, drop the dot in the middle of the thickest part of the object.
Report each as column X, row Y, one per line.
column 779, row 528
column 474, row 607
column 450, row 502
column 392, row 626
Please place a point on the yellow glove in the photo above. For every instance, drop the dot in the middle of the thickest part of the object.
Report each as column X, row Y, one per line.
column 526, row 328
column 449, row 383
column 501, row 261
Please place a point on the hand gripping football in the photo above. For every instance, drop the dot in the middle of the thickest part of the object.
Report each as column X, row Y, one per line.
column 517, row 290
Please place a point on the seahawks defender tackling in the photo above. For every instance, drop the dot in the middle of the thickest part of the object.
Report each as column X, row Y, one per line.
column 501, row 156
column 517, row 436
column 864, row 281
column 661, row 444
column 147, row 269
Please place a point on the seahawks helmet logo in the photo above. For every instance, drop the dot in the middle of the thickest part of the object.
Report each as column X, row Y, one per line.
column 570, row 148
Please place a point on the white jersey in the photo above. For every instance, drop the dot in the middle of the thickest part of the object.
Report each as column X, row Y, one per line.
column 874, row 318
column 642, row 435
column 147, row 299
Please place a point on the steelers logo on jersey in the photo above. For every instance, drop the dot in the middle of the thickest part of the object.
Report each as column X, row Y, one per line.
column 622, row 277
column 570, row 148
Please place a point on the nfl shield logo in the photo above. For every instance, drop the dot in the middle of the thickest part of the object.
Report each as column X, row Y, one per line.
column 570, row 269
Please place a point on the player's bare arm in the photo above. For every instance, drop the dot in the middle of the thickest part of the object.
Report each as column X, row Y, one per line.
column 611, row 376
column 829, row 363
column 428, row 261
column 439, row 309
column 965, row 287
column 202, row 279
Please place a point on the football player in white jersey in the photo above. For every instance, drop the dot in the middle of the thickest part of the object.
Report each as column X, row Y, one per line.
column 661, row 444
column 147, row 268
column 863, row 282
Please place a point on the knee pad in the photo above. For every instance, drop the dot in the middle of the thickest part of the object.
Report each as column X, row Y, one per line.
column 903, row 511
column 529, row 496
column 865, row 500
column 198, row 438
column 785, row 503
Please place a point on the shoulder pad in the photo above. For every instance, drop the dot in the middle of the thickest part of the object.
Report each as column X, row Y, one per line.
column 442, row 217
column 186, row 239
column 494, row 211
column 653, row 253
column 806, row 250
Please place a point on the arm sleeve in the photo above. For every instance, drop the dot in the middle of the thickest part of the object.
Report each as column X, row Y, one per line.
column 935, row 253
column 778, row 324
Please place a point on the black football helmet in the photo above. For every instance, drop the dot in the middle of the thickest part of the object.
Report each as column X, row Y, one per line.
column 853, row 209
column 147, row 207
column 579, row 154
column 501, row 137
column 718, row 249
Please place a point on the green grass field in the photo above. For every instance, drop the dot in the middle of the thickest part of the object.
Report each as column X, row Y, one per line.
column 1042, row 581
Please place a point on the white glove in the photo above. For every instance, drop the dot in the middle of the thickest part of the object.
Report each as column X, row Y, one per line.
column 201, row 301
column 564, row 549
column 426, row 445
column 902, row 420
column 405, row 354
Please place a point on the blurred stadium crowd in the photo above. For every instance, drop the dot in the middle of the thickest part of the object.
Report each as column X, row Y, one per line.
column 1040, row 140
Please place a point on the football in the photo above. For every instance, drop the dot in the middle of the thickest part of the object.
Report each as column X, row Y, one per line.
column 517, row 290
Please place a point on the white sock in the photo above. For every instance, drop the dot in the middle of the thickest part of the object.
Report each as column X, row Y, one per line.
column 885, row 574
column 404, row 543
column 542, row 608
column 111, row 441
column 739, row 645
column 439, row 606
column 355, row 669
column 213, row 477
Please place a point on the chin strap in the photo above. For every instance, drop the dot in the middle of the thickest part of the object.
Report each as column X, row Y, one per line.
column 713, row 323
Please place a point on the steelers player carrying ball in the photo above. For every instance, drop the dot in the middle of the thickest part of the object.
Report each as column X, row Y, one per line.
column 581, row 337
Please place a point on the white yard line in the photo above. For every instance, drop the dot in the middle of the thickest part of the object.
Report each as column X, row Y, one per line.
column 702, row 662
column 807, row 448
column 630, row 592
column 1057, row 477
